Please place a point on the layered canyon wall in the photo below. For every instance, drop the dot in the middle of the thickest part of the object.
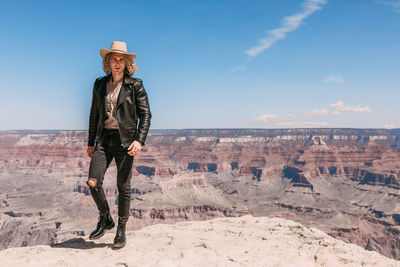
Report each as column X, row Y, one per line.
column 342, row 181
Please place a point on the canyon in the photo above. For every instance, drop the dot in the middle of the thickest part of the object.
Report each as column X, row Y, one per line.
column 344, row 182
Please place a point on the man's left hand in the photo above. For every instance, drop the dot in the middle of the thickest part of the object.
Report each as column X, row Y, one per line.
column 134, row 148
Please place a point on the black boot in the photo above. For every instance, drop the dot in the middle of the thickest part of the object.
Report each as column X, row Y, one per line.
column 120, row 238
column 105, row 223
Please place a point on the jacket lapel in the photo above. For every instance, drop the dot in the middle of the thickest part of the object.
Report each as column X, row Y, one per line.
column 124, row 92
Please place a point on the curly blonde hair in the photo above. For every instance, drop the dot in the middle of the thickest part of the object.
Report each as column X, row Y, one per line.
column 130, row 65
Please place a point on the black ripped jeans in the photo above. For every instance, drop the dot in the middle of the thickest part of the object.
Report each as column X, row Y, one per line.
column 103, row 153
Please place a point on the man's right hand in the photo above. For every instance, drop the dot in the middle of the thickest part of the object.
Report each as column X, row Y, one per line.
column 90, row 151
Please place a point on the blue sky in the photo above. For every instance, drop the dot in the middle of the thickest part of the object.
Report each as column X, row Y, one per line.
column 207, row 64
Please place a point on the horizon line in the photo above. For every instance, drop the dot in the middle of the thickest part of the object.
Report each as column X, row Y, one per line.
column 163, row 129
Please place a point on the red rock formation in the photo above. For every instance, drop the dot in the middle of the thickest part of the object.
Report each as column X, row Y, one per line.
column 372, row 234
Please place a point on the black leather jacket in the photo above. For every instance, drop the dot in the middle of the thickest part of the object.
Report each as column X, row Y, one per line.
column 132, row 104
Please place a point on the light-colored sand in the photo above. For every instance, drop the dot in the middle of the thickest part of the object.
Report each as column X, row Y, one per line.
column 243, row 241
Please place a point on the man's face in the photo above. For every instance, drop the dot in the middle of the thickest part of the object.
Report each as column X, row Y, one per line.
column 117, row 63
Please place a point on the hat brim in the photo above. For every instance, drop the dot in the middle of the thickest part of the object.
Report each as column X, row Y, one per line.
column 104, row 52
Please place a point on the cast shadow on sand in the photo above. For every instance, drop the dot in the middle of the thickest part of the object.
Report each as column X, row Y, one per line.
column 80, row 243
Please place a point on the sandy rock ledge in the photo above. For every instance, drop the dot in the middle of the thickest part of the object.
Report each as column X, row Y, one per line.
column 239, row 241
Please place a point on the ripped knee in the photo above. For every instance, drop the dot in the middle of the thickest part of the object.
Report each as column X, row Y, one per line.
column 92, row 182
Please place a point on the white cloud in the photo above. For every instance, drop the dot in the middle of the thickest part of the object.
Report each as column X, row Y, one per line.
column 274, row 117
column 266, row 117
column 289, row 120
column 300, row 121
column 243, row 67
column 318, row 112
column 291, row 116
column 303, row 124
column 334, row 79
column 339, row 107
column 288, row 24
column 394, row 4
column 389, row 126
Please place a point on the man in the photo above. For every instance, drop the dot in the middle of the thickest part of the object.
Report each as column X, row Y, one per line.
column 118, row 102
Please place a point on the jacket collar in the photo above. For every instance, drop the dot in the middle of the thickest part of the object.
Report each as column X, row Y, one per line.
column 125, row 90
column 126, row 80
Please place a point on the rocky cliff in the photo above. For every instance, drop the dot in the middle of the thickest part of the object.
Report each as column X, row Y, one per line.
column 243, row 241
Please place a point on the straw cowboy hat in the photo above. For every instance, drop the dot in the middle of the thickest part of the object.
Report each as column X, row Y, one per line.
column 116, row 47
